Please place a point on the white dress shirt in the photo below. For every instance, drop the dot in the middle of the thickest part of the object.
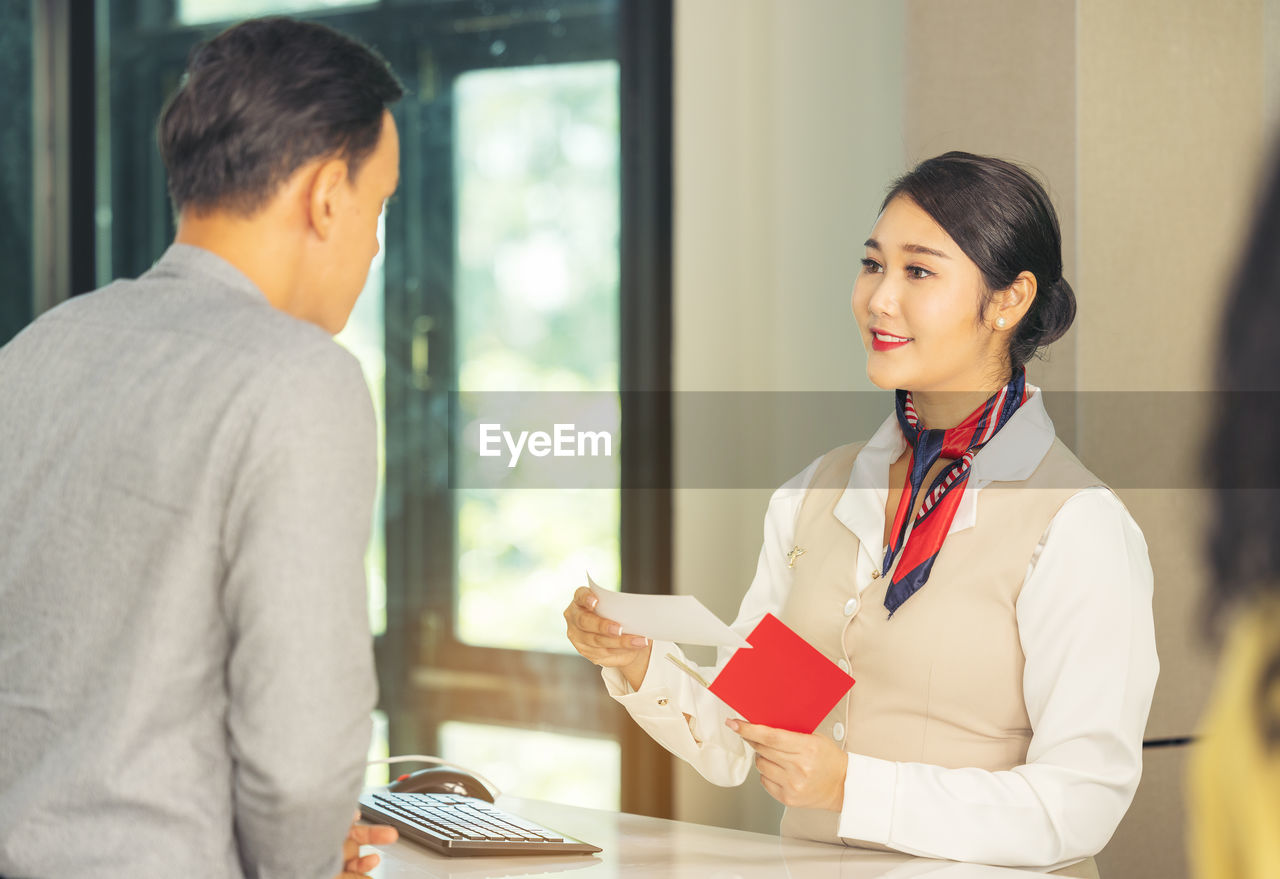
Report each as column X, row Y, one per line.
column 1086, row 629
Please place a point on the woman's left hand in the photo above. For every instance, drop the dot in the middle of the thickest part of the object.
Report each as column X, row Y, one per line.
column 805, row 771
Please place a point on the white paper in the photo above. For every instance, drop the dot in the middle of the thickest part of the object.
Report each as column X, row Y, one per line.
column 680, row 618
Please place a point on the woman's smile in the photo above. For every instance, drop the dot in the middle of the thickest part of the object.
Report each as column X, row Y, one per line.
column 882, row 341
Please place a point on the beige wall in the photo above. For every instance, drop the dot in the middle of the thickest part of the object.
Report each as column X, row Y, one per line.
column 1145, row 118
column 1271, row 69
column 999, row 79
column 1171, row 126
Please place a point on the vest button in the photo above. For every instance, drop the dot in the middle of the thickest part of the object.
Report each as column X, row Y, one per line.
column 837, row 732
column 850, row 606
column 662, row 702
column 844, row 665
column 875, row 573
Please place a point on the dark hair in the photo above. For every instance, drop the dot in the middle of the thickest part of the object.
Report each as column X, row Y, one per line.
column 1240, row 451
column 1002, row 219
column 263, row 98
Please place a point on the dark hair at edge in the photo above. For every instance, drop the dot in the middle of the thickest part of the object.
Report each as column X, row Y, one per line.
column 1239, row 455
column 1002, row 219
column 260, row 100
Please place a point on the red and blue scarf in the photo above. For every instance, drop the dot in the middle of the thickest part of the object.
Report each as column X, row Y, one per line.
column 932, row 523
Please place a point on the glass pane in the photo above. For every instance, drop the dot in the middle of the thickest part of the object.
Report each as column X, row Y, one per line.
column 381, row 773
column 577, row 770
column 536, row 159
column 363, row 336
column 203, row 11
column 16, row 219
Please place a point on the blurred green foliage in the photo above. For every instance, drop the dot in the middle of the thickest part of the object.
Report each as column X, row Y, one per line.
column 536, row 158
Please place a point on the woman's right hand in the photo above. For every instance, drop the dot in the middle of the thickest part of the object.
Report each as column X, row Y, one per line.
column 601, row 640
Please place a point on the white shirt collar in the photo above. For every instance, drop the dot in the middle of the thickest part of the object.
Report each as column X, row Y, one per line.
column 1011, row 455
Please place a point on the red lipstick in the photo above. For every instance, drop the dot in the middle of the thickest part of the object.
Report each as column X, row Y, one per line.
column 886, row 341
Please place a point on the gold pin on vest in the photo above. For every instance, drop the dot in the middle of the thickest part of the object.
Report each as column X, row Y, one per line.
column 795, row 553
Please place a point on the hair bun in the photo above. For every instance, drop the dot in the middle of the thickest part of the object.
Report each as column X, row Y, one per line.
column 1051, row 314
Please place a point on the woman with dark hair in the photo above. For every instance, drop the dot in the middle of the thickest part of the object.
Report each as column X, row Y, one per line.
column 990, row 596
column 1235, row 770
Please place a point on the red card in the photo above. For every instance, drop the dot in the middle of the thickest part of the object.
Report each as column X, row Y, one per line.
column 782, row 682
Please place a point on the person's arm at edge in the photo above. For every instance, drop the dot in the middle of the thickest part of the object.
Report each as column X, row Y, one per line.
column 1084, row 614
column 300, row 672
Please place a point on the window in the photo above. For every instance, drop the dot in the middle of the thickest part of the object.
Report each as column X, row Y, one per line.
column 536, row 165
column 206, row 11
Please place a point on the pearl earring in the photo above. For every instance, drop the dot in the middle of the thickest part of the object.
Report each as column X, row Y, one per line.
column 1000, row 322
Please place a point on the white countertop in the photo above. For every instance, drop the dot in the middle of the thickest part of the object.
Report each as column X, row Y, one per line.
column 636, row 846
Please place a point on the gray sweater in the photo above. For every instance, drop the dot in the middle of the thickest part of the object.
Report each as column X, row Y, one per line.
column 186, row 675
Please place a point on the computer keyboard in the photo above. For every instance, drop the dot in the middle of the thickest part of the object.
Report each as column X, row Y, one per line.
column 460, row 826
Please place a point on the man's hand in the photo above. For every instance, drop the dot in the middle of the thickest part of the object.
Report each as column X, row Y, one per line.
column 805, row 771
column 354, row 866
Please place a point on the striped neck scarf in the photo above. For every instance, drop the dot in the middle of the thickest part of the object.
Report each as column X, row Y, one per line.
column 932, row 523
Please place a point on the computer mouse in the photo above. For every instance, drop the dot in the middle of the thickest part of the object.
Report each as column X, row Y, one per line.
column 441, row 781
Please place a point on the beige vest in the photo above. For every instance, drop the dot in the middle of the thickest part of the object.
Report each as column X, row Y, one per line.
column 941, row 682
